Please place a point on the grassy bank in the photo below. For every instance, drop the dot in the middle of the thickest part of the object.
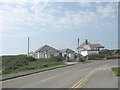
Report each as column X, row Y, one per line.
column 0, row 72
column 14, row 64
column 116, row 70
column 105, row 53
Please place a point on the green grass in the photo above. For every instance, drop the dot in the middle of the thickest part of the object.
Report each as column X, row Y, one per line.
column 14, row 64
column 40, row 64
column 116, row 70
column 0, row 72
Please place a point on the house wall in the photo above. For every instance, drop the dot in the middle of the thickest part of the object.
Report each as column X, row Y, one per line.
column 39, row 55
column 53, row 54
column 93, row 52
column 56, row 54
column 63, row 54
column 84, row 53
column 70, row 55
column 87, row 47
column 35, row 55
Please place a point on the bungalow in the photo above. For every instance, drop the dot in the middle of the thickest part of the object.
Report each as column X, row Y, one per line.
column 68, row 54
column 45, row 52
column 89, row 48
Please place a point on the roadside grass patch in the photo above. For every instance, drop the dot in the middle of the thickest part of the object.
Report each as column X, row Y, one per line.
column 116, row 70
column 0, row 72
column 15, row 64
column 39, row 64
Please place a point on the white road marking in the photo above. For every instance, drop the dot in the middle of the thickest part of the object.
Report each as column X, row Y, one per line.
column 27, row 86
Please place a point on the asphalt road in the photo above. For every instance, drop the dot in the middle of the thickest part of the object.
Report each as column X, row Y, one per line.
column 67, row 77
column 103, row 77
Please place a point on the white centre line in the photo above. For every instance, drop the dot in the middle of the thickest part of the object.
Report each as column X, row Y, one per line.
column 38, row 82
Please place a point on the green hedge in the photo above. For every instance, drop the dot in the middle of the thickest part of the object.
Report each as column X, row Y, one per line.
column 96, row 56
column 105, row 53
column 12, row 62
column 17, row 63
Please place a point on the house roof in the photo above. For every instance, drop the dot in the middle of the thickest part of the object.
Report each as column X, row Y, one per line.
column 92, row 45
column 66, row 50
column 46, row 48
column 96, row 46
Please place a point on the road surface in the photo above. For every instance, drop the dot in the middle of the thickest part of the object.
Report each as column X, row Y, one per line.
column 84, row 75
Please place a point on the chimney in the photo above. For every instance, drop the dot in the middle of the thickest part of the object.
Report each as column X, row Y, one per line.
column 86, row 42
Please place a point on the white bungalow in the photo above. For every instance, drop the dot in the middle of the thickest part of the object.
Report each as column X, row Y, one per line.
column 45, row 52
column 68, row 54
column 89, row 48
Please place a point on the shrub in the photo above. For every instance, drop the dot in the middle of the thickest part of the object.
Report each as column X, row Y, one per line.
column 31, row 58
column 14, row 61
column 96, row 56
column 59, row 58
column 22, row 62
column 6, row 71
column 45, row 65
column 18, row 63
column 11, row 67
column 105, row 52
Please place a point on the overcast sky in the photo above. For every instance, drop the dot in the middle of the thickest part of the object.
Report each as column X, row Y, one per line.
column 57, row 24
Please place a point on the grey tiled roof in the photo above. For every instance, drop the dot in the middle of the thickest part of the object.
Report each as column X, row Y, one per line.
column 92, row 45
column 46, row 47
column 66, row 50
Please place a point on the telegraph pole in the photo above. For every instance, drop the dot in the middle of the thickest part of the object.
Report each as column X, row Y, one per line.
column 28, row 47
column 78, row 51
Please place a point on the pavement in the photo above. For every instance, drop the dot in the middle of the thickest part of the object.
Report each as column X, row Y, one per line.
column 93, row 74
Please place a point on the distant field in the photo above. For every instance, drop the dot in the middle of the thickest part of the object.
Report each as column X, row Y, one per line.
column 17, row 63
column 116, row 70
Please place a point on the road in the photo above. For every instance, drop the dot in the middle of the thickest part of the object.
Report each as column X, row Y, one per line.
column 103, row 77
column 79, row 75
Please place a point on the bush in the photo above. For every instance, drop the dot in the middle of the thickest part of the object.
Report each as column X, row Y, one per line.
column 45, row 65
column 31, row 58
column 55, row 58
column 59, row 58
column 96, row 56
column 7, row 71
column 22, row 62
column 106, row 52
column 19, row 63
column 12, row 67
column 13, row 62
column 6, row 60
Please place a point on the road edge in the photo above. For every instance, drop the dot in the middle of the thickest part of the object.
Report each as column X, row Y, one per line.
column 41, row 70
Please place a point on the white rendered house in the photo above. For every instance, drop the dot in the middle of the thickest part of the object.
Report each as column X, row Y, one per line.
column 45, row 52
column 88, row 48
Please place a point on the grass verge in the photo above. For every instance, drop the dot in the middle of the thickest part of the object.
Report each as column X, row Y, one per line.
column 116, row 70
column 17, row 64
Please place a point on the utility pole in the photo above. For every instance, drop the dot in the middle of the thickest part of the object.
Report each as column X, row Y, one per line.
column 78, row 51
column 28, row 47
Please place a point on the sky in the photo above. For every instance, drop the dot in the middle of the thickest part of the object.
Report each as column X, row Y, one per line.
column 58, row 24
